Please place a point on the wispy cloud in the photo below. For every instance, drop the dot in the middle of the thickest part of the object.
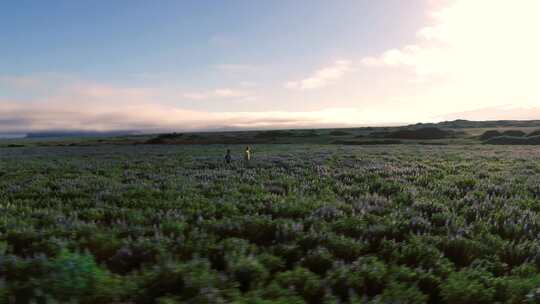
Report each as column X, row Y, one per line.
column 502, row 112
column 91, row 106
column 322, row 77
column 394, row 57
column 248, row 84
column 222, row 93
column 150, row 116
column 226, row 93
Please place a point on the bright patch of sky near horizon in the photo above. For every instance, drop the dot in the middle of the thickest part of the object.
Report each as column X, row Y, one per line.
column 104, row 65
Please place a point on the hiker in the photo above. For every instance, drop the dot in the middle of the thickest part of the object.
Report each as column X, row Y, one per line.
column 228, row 156
column 247, row 154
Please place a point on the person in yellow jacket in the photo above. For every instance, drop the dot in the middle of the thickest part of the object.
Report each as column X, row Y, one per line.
column 247, row 154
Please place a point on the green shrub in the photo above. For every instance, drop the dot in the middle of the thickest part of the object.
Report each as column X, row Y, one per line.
column 466, row 184
column 463, row 251
column 401, row 293
column 134, row 255
column 345, row 248
column 318, row 261
column 76, row 276
column 103, row 246
column 353, row 227
column 248, row 272
column 185, row 281
column 271, row 262
column 21, row 242
column 469, row 286
column 385, row 187
column 228, row 249
column 24, row 277
column 304, row 282
column 418, row 253
column 273, row 293
column 343, row 281
column 173, row 228
column 4, row 299
column 373, row 274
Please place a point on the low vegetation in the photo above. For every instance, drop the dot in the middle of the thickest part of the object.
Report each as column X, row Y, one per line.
column 299, row 224
column 273, row 134
column 507, row 140
column 369, row 142
column 166, row 138
column 510, row 137
column 420, row 133
column 339, row 133
column 514, row 133
column 490, row 134
column 534, row 133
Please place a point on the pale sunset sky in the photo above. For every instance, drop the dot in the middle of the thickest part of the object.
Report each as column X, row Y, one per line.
column 210, row 64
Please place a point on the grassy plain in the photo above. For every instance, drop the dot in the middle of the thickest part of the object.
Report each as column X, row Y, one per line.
column 300, row 223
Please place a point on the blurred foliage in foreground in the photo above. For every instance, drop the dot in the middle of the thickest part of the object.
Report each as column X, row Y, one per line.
column 316, row 224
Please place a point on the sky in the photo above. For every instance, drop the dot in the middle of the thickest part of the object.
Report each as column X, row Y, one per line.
column 240, row 64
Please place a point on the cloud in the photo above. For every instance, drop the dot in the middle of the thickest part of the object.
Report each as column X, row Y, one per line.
column 394, row 57
column 322, row 77
column 223, row 93
column 473, row 54
column 503, row 112
column 99, row 107
column 150, row 116
column 248, row 84
column 230, row 93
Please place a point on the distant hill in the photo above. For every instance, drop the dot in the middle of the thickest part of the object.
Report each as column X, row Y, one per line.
column 465, row 124
column 12, row 136
column 418, row 133
column 447, row 132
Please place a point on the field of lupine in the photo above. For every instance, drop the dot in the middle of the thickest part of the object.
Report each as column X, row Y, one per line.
column 300, row 223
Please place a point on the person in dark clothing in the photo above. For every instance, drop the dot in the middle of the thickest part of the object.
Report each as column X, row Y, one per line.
column 228, row 156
